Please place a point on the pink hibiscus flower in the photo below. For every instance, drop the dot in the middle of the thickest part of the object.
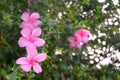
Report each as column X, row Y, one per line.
column 32, row 60
column 30, row 38
column 82, row 35
column 30, row 21
column 74, row 42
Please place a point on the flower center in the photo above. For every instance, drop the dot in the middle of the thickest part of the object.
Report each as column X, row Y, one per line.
column 31, row 21
column 31, row 39
column 31, row 61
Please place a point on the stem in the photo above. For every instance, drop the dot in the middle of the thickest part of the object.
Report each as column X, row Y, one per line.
column 29, row 6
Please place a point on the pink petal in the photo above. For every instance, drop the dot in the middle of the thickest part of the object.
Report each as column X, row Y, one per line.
column 31, row 26
column 79, row 46
column 37, row 68
column 86, row 32
column 25, row 16
column 36, row 32
column 24, row 24
column 35, row 16
column 40, row 57
column 82, row 32
column 71, row 39
column 31, row 51
column 27, row 25
column 31, row 45
column 85, row 39
column 22, row 60
column 22, row 42
column 39, row 42
column 25, row 32
column 26, row 67
column 37, row 22
column 79, row 33
column 78, row 39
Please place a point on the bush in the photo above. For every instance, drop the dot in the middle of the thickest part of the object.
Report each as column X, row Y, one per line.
column 97, row 60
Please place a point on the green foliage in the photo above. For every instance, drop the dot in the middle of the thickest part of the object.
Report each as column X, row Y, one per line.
column 55, row 31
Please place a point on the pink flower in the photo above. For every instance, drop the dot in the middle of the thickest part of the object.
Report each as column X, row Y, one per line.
column 74, row 42
column 82, row 35
column 30, row 38
column 30, row 21
column 32, row 60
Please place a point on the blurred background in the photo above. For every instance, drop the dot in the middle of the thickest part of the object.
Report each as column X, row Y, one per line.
column 97, row 60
